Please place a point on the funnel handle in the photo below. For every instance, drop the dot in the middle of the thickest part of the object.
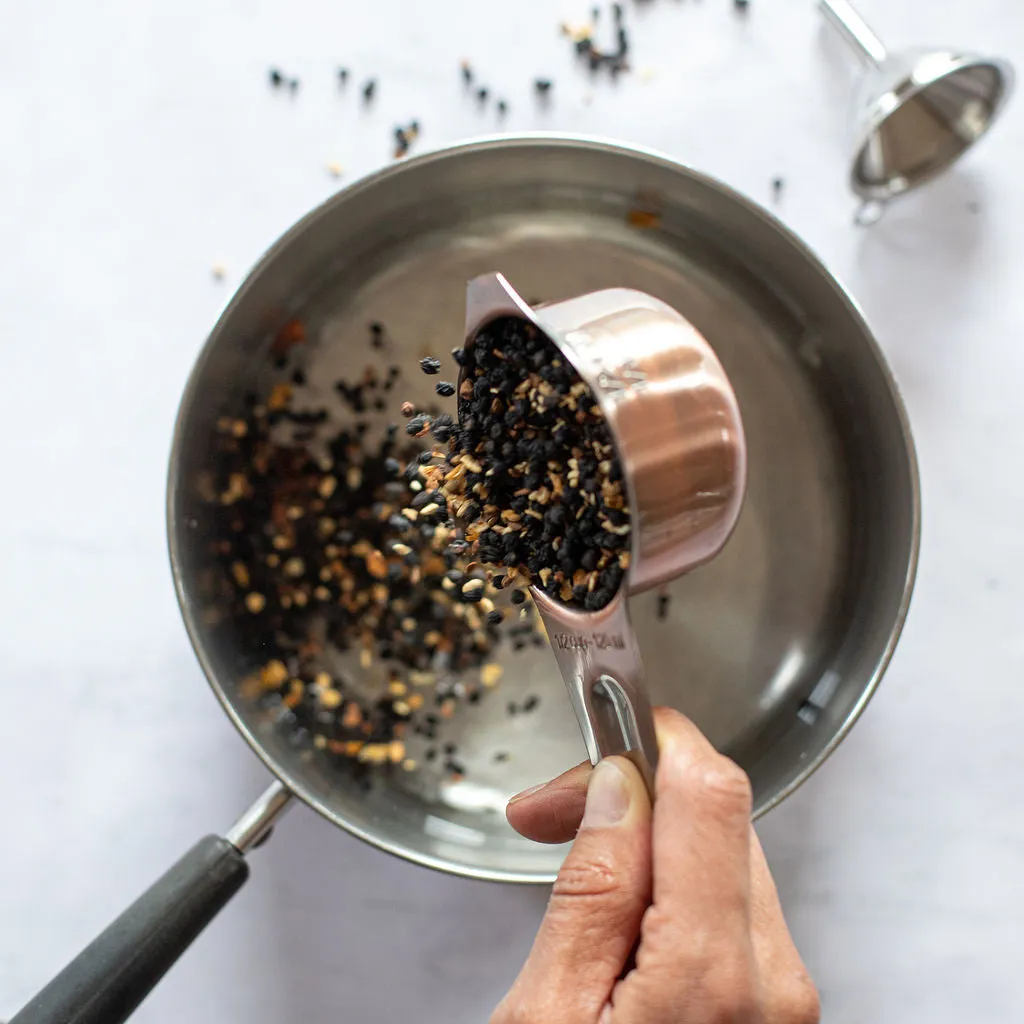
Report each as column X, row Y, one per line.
column 599, row 658
column 842, row 16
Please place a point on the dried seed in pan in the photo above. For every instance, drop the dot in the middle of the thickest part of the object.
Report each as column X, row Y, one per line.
column 491, row 673
column 334, row 548
column 430, row 365
column 445, row 388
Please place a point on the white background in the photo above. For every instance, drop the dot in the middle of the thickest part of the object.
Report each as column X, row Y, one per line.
column 140, row 145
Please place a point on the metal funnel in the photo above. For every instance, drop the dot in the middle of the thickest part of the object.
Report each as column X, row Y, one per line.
column 917, row 111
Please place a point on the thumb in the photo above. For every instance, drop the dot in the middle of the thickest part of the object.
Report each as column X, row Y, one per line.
column 593, row 919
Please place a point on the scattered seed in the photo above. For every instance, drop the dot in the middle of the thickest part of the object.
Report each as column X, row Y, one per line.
column 330, row 698
column 430, row 366
column 369, row 90
column 273, row 674
column 445, row 388
column 313, row 560
column 526, row 418
column 491, row 673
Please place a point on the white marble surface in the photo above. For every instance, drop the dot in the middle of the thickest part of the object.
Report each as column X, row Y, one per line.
column 140, row 146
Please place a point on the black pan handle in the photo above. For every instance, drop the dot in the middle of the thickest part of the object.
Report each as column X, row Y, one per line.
column 111, row 976
column 106, row 982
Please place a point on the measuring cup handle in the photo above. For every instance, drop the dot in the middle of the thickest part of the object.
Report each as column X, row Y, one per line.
column 599, row 658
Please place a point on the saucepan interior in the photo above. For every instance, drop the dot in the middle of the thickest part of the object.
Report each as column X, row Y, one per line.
column 774, row 647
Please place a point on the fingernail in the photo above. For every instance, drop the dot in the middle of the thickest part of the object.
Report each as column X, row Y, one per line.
column 607, row 797
column 527, row 792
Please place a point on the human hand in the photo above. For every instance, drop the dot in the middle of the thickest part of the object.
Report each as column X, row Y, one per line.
column 663, row 918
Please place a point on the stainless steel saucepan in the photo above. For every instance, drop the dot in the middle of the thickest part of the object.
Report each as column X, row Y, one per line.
column 773, row 648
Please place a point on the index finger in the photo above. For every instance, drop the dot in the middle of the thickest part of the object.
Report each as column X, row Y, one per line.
column 701, row 835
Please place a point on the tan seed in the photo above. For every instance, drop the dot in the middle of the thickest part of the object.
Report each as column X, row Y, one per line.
column 491, row 673
column 376, row 565
column 273, row 673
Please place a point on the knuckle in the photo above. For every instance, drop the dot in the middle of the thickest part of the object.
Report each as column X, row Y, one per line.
column 582, row 878
column 800, row 1001
column 726, row 785
column 731, row 992
column 503, row 1014
column 512, row 1011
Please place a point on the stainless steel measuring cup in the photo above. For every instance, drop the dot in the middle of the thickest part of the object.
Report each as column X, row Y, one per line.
column 678, row 433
